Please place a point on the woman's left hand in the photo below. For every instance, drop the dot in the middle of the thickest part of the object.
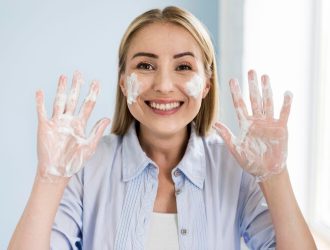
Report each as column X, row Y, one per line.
column 261, row 148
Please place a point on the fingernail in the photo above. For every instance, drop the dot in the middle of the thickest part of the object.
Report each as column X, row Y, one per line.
column 234, row 82
column 218, row 128
column 288, row 97
column 77, row 75
column 107, row 121
column 95, row 85
column 251, row 75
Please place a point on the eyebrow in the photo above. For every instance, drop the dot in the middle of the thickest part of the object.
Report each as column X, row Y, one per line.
column 183, row 54
column 147, row 54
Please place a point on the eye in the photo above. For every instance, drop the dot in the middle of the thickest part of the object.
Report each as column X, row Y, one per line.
column 145, row 66
column 184, row 67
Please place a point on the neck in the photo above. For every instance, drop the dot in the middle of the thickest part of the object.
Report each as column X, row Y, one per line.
column 165, row 150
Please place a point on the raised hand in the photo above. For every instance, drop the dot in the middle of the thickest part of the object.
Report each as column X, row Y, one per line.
column 62, row 144
column 261, row 147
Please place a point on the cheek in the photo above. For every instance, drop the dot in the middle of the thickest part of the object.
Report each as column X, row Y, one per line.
column 194, row 87
column 133, row 88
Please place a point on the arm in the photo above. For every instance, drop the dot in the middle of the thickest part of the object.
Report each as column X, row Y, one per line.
column 34, row 227
column 261, row 150
column 62, row 149
column 290, row 227
column 253, row 216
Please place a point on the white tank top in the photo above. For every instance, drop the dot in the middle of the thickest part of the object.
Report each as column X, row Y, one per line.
column 163, row 232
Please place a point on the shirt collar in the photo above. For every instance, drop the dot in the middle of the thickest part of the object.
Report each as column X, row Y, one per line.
column 192, row 164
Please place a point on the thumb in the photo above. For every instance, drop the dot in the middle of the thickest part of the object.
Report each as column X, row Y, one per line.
column 226, row 135
column 97, row 132
column 41, row 105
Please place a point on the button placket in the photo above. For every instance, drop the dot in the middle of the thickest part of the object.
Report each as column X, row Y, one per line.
column 149, row 196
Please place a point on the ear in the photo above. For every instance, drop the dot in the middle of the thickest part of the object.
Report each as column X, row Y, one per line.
column 206, row 88
column 122, row 84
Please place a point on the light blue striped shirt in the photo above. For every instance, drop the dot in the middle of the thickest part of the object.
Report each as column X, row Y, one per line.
column 109, row 203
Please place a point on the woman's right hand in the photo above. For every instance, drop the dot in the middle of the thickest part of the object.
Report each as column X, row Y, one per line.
column 62, row 144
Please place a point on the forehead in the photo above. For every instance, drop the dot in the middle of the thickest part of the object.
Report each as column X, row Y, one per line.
column 164, row 38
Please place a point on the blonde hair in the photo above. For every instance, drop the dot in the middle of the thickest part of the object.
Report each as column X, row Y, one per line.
column 207, row 113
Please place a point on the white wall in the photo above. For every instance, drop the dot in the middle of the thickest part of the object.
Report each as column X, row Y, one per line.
column 39, row 40
column 231, row 16
column 278, row 42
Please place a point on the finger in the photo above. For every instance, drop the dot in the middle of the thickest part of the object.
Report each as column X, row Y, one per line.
column 239, row 104
column 97, row 132
column 42, row 115
column 255, row 97
column 59, row 103
column 89, row 102
column 227, row 136
column 74, row 93
column 285, row 111
column 267, row 97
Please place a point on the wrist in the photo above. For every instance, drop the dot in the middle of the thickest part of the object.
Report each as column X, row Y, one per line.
column 275, row 181
column 270, row 174
column 278, row 193
column 47, row 174
column 51, row 180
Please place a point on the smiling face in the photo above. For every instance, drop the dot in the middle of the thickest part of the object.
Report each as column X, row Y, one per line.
column 164, row 80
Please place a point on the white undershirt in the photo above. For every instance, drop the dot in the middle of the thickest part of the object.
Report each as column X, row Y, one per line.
column 163, row 232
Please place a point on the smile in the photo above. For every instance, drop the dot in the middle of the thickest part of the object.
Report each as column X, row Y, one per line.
column 164, row 106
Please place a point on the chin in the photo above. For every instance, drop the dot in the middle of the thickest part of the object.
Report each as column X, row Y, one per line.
column 165, row 128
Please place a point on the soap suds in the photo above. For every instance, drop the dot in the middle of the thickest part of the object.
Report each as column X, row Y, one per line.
column 194, row 86
column 133, row 88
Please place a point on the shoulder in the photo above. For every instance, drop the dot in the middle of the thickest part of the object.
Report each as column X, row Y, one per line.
column 109, row 141
column 216, row 148
column 108, row 144
column 220, row 163
column 213, row 139
column 100, row 164
column 106, row 148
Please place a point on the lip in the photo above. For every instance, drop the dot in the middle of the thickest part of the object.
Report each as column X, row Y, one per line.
column 164, row 101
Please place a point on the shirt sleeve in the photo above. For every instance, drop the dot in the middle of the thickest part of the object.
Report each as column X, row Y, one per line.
column 67, row 228
column 255, row 224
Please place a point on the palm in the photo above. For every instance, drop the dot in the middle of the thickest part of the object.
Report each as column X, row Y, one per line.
column 62, row 144
column 261, row 147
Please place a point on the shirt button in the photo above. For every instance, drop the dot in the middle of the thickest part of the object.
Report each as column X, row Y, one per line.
column 177, row 173
column 246, row 237
column 184, row 231
column 178, row 191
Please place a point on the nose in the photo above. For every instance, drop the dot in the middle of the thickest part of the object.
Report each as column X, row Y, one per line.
column 163, row 83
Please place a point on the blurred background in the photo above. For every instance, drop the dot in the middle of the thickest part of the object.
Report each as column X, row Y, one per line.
column 288, row 40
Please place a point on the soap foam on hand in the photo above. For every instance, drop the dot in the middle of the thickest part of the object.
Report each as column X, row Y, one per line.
column 63, row 146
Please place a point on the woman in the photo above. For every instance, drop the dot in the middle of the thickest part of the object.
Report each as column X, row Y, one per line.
column 162, row 180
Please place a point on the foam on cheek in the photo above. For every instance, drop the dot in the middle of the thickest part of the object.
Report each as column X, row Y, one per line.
column 132, row 87
column 194, row 86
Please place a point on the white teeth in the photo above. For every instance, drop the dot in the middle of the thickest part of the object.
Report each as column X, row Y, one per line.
column 164, row 106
